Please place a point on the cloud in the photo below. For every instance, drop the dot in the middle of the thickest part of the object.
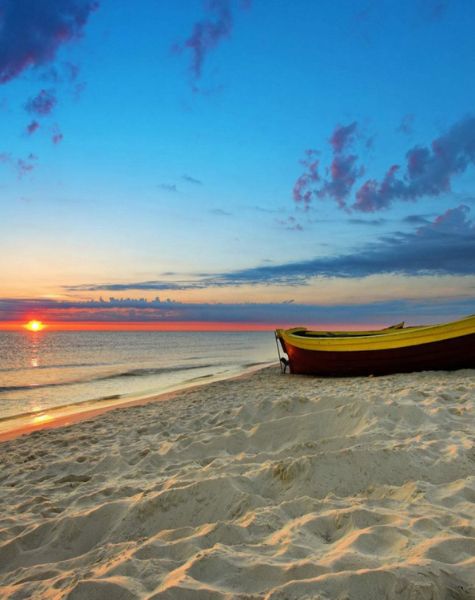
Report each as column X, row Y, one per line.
column 416, row 219
column 57, row 136
column 66, row 72
column 140, row 286
column 340, row 176
column 207, row 34
column 375, row 222
column 303, row 187
column 168, row 187
column 32, row 127
column 42, row 104
column 444, row 246
column 344, row 171
column 220, row 212
column 429, row 170
column 343, row 136
column 158, row 311
column 23, row 166
column 190, row 179
column 264, row 209
column 407, row 124
column 32, row 31
column 290, row 223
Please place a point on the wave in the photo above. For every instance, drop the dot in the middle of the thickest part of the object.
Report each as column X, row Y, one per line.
column 60, row 407
column 143, row 372
column 53, row 366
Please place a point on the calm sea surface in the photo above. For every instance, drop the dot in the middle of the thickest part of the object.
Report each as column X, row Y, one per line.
column 42, row 370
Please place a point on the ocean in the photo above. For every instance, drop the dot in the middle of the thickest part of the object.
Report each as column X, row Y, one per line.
column 43, row 370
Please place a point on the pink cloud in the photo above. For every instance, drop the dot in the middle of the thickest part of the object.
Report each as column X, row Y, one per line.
column 429, row 170
column 32, row 127
column 42, row 104
column 33, row 31
column 57, row 136
column 23, row 166
column 208, row 33
column 344, row 171
column 341, row 175
column 303, row 188
column 343, row 136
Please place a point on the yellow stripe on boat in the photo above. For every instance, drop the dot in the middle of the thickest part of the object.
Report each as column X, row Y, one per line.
column 382, row 339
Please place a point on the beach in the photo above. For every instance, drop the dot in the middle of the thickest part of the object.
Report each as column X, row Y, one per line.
column 265, row 486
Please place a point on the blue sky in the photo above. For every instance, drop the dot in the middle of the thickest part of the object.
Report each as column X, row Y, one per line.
column 237, row 159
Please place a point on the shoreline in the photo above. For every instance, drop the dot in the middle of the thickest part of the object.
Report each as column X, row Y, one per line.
column 68, row 414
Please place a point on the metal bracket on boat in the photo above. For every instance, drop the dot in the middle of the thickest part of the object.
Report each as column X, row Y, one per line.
column 284, row 363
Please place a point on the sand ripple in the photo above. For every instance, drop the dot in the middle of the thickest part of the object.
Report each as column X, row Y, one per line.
column 266, row 487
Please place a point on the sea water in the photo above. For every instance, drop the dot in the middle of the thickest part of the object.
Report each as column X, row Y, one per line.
column 45, row 369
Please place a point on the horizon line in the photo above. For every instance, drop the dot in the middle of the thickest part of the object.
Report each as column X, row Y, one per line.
column 175, row 326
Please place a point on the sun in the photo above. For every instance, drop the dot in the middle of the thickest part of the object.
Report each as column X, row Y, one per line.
column 34, row 326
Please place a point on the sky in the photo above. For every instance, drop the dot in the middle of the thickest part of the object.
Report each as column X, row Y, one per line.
column 237, row 163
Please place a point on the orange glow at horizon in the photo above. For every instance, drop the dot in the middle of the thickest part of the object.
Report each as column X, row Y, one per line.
column 178, row 326
column 34, row 325
column 155, row 326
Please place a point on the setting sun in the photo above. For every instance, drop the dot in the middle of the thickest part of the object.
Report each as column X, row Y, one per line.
column 34, row 326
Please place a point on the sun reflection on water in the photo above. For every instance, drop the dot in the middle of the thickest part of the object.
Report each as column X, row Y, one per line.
column 42, row 418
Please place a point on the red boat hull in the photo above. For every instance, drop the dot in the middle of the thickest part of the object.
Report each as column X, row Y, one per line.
column 445, row 355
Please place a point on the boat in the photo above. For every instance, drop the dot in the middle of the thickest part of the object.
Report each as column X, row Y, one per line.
column 396, row 349
column 303, row 331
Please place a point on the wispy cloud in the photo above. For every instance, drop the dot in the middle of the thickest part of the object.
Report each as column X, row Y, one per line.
column 303, row 190
column 190, row 179
column 339, row 177
column 32, row 127
column 25, row 165
column 144, row 286
column 407, row 124
column 343, row 136
column 344, row 171
column 42, row 104
column 158, row 311
column 375, row 222
column 22, row 166
column 417, row 219
column 207, row 34
column 168, row 187
column 57, row 136
column 220, row 212
column 291, row 224
column 444, row 246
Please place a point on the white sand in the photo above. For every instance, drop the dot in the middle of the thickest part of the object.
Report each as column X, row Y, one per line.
column 270, row 486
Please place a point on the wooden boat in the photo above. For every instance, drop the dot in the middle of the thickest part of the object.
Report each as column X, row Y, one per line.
column 445, row 346
column 303, row 331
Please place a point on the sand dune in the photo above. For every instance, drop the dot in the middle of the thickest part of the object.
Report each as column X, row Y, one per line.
column 265, row 487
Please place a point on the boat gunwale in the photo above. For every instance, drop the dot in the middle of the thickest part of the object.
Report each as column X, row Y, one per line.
column 392, row 338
